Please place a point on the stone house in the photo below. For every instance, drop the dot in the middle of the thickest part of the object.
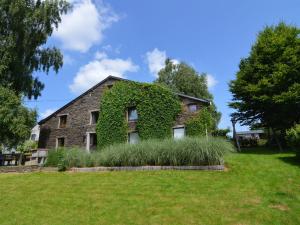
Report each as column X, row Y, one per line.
column 74, row 124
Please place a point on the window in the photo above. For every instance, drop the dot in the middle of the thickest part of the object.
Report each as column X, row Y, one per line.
column 192, row 107
column 33, row 137
column 109, row 86
column 60, row 142
column 93, row 141
column 133, row 137
column 132, row 114
column 94, row 117
column 62, row 121
column 178, row 132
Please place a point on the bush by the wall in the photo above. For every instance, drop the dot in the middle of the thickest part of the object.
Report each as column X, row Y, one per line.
column 66, row 158
column 157, row 108
column 293, row 137
column 201, row 123
column 185, row 152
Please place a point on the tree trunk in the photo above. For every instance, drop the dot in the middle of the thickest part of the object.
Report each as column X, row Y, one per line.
column 235, row 137
column 269, row 137
column 276, row 139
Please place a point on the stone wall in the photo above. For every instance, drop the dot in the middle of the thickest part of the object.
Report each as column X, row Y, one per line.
column 78, row 120
column 146, row 168
column 26, row 169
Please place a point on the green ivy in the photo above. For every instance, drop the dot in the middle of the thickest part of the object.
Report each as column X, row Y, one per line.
column 201, row 123
column 157, row 109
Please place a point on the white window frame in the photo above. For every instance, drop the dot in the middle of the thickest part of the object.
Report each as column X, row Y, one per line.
column 91, row 117
column 88, row 140
column 179, row 127
column 59, row 117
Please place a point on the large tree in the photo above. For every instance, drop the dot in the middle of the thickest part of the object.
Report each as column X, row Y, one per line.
column 267, row 86
column 25, row 26
column 16, row 120
column 184, row 79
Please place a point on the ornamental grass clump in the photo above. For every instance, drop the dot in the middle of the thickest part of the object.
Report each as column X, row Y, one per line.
column 185, row 152
column 190, row 151
column 67, row 158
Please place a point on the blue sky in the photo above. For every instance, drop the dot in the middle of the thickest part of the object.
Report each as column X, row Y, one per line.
column 132, row 38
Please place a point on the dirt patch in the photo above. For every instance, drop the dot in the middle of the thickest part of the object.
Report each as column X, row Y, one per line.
column 280, row 207
column 254, row 201
column 226, row 167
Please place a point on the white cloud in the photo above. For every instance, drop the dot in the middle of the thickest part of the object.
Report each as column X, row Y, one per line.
column 98, row 69
column 47, row 113
column 109, row 48
column 156, row 60
column 175, row 61
column 211, row 81
column 100, row 55
column 84, row 25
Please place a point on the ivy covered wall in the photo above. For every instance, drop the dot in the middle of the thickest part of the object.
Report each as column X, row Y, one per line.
column 201, row 123
column 157, row 108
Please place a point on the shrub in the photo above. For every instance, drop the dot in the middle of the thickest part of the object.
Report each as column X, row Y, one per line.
column 54, row 157
column 185, row 152
column 293, row 137
column 200, row 124
column 221, row 132
column 66, row 158
column 248, row 142
column 27, row 146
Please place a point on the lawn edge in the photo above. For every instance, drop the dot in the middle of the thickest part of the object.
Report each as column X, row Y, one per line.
column 145, row 168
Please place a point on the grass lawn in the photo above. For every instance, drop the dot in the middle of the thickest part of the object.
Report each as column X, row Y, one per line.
column 260, row 187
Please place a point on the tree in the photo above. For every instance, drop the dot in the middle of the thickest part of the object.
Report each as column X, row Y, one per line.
column 25, row 26
column 184, row 79
column 16, row 120
column 267, row 86
column 293, row 138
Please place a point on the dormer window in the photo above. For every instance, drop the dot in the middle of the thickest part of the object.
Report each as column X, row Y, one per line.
column 192, row 107
column 62, row 121
column 132, row 114
column 94, row 117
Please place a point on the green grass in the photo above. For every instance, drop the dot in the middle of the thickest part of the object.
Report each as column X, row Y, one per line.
column 260, row 187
